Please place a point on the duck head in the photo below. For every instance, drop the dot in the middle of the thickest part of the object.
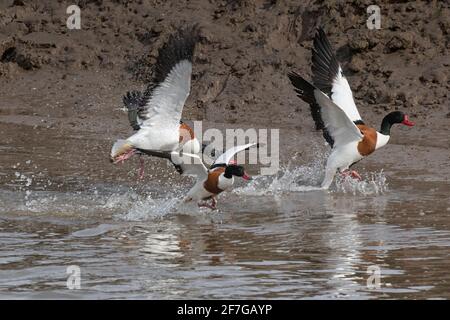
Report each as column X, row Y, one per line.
column 235, row 170
column 393, row 118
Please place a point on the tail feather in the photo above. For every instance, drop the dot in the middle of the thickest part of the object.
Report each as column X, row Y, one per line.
column 134, row 101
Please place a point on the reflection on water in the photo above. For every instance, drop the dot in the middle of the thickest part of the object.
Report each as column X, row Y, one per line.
column 284, row 244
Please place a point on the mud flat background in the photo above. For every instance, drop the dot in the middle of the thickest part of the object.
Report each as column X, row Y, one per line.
column 61, row 89
column 60, row 95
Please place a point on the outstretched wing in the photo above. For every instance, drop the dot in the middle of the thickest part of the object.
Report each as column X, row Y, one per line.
column 161, row 105
column 329, row 78
column 190, row 164
column 225, row 157
column 305, row 91
column 341, row 128
column 336, row 124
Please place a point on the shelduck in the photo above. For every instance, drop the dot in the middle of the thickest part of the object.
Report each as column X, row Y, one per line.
column 219, row 177
column 334, row 112
column 155, row 114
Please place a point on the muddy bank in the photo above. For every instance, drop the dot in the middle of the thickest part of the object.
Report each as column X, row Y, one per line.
column 63, row 203
column 61, row 89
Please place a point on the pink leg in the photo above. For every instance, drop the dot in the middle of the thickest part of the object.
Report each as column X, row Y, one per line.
column 351, row 173
column 355, row 175
column 125, row 156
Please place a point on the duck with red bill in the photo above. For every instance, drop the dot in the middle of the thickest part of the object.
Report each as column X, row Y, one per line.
column 246, row 177
column 407, row 122
column 218, row 178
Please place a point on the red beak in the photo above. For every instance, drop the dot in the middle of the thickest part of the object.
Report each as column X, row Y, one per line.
column 406, row 121
column 246, row 177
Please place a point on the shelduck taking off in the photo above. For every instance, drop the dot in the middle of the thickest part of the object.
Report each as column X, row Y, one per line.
column 219, row 177
column 334, row 112
column 155, row 114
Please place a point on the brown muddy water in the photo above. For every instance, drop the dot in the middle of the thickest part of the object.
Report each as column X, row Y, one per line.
column 277, row 237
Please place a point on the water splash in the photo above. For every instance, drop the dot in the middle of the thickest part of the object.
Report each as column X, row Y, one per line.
column 158, row 199
column 22, row 180
column 290, row 178
column 372, row 183
column 308, row 177
column 157, row 205
column 68, row 203
column 149, row 208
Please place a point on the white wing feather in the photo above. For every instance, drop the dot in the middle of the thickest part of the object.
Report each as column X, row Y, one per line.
column 229, row 154
column 166, row 104
column 338, row 124
column 342, row 95
column 191, row 164
column 160, row 129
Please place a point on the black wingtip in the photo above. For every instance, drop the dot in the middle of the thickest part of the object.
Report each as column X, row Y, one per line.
column 178, row 168
column 180, row 46
column 256, row 146
column 132, row 100
column 292, row 75
column 321, row 35
column 320, row 31
column 303, row 88
column 325, row 66
column 305, row 91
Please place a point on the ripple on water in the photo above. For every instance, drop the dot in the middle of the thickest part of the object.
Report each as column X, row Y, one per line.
column 277, row 239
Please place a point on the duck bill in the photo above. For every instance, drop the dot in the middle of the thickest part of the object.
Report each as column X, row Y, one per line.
column 246, row 177
column 121, row 151
column 407, row 122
